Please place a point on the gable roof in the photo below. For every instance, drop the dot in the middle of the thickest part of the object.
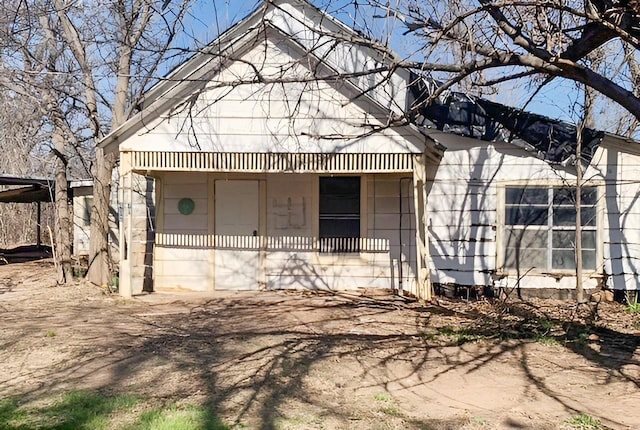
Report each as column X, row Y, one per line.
column 465, row 115
column 305, row 25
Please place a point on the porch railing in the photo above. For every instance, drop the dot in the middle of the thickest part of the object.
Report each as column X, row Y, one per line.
column 273, row 243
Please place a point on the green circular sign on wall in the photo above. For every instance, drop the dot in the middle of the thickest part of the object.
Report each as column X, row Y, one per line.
column 186, row 206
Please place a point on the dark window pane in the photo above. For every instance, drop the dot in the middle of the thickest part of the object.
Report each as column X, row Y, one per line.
column 527, row 196
column 589, row 259
column 566, row 259
column 588, row 216
column 339, row 227
column 563, row 259
column 525, row 258
column 333, row 204
column 589, row 196
column 564, row 216
column 564, row 196
column 526, row 215
column 567, row 239
column 589, row 239
column 340, row 195
column 564, row 239
column 567, row 196
column 525, row 238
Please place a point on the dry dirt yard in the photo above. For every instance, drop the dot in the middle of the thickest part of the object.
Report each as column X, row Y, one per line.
column 297, row 360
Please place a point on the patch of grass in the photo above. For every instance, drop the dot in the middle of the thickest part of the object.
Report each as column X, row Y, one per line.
column 547, row 340
column 296, row 422
column 461, row 335
column 633, row 307
column 179, row 418
column 478, row 421
column 10, row 412
column 584, row 422
column 50, row 333
column 84, row 410
column 382, row 397
column 392, row 411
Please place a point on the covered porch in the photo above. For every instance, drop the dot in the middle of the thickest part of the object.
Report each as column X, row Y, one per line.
column 255, row 221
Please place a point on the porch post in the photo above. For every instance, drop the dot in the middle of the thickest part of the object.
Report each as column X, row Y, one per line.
column 124, row 214
column 423, row 290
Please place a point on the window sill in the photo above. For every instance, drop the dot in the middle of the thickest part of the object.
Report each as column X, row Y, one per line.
column 592, row 273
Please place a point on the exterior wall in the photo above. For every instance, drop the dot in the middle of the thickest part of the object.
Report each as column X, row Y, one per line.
column 186, row 247
column 619, row 162
column 465, row 209
column 391, row 205
column 82, row 202
column 181, row 260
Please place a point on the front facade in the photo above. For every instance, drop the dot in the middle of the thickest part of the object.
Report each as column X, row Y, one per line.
column 255, row 167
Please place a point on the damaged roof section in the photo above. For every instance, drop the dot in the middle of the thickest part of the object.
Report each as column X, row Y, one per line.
column 455, row 112
column 18, row 189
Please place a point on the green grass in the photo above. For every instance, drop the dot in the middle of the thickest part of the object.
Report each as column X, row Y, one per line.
column 633, row 307
column 50, row 333
column 91, row 411
column 633, row 304
column 174, row 418
column 479, row 421
column 392, row 411
column 461, row 335
column 382, row 397
column 584, row 422
column 547, row 340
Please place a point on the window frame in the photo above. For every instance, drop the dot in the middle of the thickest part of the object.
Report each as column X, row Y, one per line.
column 503, row 227
column 352, row 245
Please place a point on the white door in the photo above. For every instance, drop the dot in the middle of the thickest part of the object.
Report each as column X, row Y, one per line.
column 236, row 228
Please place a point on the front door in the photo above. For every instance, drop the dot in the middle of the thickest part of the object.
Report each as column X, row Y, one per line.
column 237, row 253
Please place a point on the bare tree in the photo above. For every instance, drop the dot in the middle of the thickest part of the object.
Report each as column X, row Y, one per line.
column 493, row 42
column 136, row 36
column 87, row 63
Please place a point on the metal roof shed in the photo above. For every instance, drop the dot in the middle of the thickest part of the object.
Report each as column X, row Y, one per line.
column 20, row 189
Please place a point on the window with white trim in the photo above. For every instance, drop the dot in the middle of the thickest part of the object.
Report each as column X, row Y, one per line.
column 339, row 214
column 539, row 228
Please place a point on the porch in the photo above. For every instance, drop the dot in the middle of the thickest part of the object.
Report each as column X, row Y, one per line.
column 236, row 221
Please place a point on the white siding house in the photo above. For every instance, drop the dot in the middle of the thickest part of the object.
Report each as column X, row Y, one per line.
column 271, row 160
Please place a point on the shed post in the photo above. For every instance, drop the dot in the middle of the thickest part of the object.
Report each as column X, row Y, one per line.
column 38, row 229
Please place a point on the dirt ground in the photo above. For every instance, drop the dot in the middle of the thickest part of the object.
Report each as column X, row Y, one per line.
column 300, row 360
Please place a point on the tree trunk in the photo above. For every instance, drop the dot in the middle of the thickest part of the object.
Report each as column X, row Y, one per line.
column 100, row 263
column 63, row 218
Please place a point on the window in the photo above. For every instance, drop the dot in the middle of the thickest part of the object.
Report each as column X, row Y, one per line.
column 340, row 214
column 539, row 230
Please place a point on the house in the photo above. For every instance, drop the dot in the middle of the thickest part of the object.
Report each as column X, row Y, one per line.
column 276, row 158
column 81, row 193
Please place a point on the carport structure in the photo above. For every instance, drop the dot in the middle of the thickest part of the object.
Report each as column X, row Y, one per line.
column 20, row 189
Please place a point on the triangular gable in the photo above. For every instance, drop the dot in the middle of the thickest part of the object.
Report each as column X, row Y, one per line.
column 284, row 109
column 310, row 29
